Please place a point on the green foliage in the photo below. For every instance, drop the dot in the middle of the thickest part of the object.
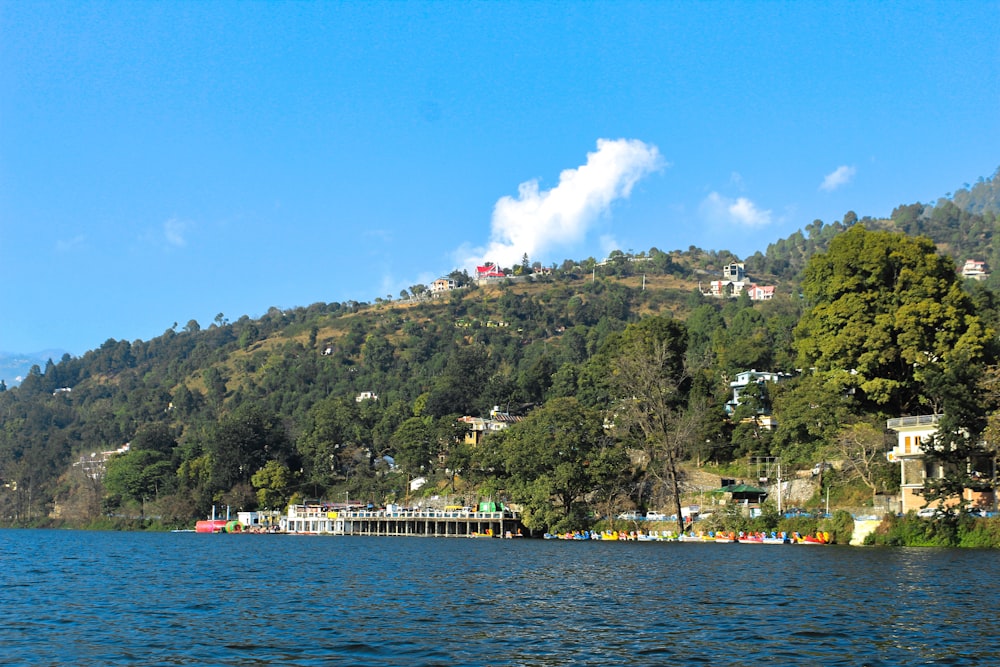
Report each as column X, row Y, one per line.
column 207, row 409
column 731, row 518
column 768, row 519
column 138, row 475
column 273, row 483
column 979, row 533
column 809, row 409
column 840, row 526
column 241, row 443
column 545, row 461
column 912, row 531
column 885, row 306
column 413, row 444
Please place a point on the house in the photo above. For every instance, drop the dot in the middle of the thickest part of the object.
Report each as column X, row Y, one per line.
column 260, row 522
column 366, row 396
column 734, row 271
column 761, row 292
column 745, row 379
column 734, row 282
column 913, row 435
column 721, row 289
column 442, row 285
column 480, row 426
column 974, row 270
column 489, row 271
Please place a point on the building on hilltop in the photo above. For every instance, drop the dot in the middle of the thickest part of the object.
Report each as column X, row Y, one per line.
column 734, row 271
column 761, row 292
column 489, row 271
column 734, row 282
column 442, row 285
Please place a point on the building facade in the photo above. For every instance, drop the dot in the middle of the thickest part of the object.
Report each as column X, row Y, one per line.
column 913, row 436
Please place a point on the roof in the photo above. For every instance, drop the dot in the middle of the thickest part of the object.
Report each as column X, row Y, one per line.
column 742, row 488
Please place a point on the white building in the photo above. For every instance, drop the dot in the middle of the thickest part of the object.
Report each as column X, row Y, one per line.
column 974, row 270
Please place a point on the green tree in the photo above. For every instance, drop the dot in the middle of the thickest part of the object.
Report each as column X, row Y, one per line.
column 957, row 457
column 138, row 475
column 242, row 442
column 334, row 435
column 154, row 437
column 751, row 436
column 413, row 444
column 273, row 483
column 545, row 463
column 651, row 384
column 809, row 411
column 462, row 381
column 886, row 306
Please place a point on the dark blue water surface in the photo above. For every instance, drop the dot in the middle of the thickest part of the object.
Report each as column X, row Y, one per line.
column 95, row 598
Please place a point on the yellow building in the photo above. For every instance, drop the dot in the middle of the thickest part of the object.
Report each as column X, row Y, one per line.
column 914, row 434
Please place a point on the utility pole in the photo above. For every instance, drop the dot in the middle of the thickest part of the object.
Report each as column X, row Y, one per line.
column 779, row 486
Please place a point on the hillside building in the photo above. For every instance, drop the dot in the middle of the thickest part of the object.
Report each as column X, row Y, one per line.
column 974, row 269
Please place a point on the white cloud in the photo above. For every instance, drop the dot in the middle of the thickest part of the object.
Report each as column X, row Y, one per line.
column 842, row 175
column 739, row 211
column 537, row 221
column 173, row 230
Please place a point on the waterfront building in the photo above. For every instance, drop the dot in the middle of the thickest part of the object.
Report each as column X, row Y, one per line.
column 913, row 436
column 328, row 519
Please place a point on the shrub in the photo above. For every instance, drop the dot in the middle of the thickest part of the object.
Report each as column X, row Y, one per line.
column 840, row 526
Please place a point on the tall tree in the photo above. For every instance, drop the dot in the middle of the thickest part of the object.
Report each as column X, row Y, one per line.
column 651, row 383
column 273, row 483
column 242, row 442
column 862, row 446
column 959, row 461
column 138, row 475
column 413, row 444
column 545, row 461
column 886, row 306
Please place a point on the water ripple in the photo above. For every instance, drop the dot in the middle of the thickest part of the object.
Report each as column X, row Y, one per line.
column 182, row 599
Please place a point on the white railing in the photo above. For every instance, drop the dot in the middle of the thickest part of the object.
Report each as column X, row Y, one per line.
column 918, row 420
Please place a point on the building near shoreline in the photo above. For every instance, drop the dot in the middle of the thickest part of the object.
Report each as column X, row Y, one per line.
column 913, row 436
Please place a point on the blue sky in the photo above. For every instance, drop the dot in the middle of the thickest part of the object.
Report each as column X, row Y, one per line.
column 162, row 162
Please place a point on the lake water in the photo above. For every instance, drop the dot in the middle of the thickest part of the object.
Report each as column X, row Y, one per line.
column 103, row 598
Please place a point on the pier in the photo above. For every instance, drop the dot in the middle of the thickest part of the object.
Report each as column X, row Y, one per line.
column 317, row 520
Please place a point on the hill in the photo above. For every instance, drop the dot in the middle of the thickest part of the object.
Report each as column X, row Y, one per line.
column 360, row 397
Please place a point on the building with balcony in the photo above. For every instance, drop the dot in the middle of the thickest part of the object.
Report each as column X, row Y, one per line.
column 913, row 437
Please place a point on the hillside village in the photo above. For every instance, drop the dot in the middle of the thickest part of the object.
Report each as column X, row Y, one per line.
column 577, row 393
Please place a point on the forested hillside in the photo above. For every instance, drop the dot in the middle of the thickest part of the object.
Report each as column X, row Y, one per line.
column 962, row 227
column 616, row 374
